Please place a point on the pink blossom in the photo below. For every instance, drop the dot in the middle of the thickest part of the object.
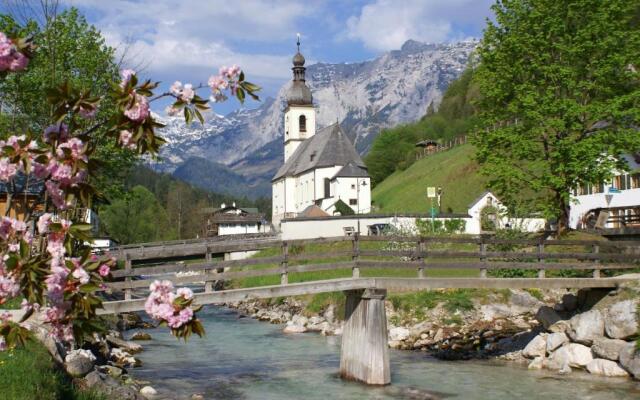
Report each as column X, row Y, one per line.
column 14, row 247
column 139, row 111
column 187, row 93
column 59, row 131
column 5, row 316
column 126, row 140
column 57, row 194
column 176, row 88
column 26, row 306
column 7, row 169
column 9, row 287
column 19, row 63
column 104, row 270
column 43, row 223
column 6, row 45
column 185, row 292
column 126, row 76
column 76, row 146
column 217, row 83
column 81, row 274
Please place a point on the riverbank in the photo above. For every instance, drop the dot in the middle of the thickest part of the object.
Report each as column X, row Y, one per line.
column 589, row 330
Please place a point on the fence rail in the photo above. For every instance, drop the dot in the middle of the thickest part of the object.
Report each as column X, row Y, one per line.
column 420, row 257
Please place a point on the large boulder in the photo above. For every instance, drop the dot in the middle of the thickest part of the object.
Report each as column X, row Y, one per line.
column 296, row 325
column 536, row 347
column 547, row 316
column 608, row 348
column 569, row 302
column 574, row 354
column 111, row 387
column 604, row 367
column 148, row 392
column 555, row 340
column 79, row 362
column 139, row 335
column 586, row 327
column 630, row 360
column 129, row 347
column 620, row 320
column 123, row 359
column 398, row 333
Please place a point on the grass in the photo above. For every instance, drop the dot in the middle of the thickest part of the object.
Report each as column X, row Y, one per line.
column 29, row 373
column 454, row 170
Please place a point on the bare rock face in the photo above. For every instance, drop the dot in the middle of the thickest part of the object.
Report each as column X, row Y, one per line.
column 608, row 348
column 555, row 340
column 599, row 366
column 547, row 316
column 536, row 347
column 80, row 362
column 630, row 360
column 620, row 320
column 586, row 327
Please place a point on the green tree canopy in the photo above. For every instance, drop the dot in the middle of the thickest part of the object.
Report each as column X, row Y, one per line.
column 560, row 97
column 136, row 218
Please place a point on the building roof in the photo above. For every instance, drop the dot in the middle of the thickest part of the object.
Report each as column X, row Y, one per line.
column 329, row 147
column 351, row 170
column 242, row 218
column 22, row 185
column 313, row 211
column 427, row 142
column 215, row 210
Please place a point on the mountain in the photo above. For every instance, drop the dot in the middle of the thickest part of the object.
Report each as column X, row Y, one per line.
column 365, row 97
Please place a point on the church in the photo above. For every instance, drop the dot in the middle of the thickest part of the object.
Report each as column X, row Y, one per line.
column 320, row 167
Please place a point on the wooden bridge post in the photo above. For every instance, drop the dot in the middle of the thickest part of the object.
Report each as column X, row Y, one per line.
column 127, row 268
column 541, row 270
column 284, row 275
column 596, row 250
column 364, row 355
column 422, row 248
column 483, row 258
column 355, row 245
column 208, row 284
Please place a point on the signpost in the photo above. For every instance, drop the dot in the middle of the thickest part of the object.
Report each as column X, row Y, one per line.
column 432, row 193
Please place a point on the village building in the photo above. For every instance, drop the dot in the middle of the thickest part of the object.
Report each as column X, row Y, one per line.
column 611, row 204
column 232, row 220
column 320, row 167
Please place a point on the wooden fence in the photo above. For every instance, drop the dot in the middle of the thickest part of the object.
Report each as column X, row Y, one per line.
column 418, row 253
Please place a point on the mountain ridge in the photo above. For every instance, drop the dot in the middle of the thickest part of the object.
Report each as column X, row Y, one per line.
column 364, row 97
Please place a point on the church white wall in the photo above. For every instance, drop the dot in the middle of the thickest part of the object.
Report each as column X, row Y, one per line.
column 292, row 130
column 277, row 198
column 321, row 174
column 349, row 189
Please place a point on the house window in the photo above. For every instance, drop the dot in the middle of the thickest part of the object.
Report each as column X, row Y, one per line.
column 353, row 202
column 327, row 187
column 312, row 157
column 353, row 186
column 302, row 121
column 635, row 181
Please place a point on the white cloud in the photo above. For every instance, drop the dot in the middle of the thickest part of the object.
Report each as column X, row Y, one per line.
column 187, row 34
column 387, row 24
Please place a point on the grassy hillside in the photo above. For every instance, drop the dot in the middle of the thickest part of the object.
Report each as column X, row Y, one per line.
column 453, row 170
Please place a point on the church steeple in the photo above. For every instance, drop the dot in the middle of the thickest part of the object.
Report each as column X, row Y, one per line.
column 300, row 116
column 299, row 93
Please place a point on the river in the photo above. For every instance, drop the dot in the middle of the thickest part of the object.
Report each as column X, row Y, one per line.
column 241, row 358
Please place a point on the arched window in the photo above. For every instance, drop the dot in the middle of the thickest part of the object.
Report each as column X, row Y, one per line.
column 302, row 123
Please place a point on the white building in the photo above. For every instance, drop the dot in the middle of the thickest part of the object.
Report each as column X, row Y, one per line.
column 611, row 204
column 320, row 168
column 232, row 220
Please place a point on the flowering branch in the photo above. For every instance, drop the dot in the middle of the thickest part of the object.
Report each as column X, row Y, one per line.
column 51, row 266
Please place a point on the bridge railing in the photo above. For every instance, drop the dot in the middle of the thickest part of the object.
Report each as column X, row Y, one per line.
column 371, row 255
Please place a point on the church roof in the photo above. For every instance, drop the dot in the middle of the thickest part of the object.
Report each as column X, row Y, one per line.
column 352, row 170
column 313, row 211
column 329, row 147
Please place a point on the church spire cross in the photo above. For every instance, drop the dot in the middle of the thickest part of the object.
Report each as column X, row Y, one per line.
column 298, row 41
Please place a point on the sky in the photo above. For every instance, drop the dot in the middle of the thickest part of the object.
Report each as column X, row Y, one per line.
column 189, row 40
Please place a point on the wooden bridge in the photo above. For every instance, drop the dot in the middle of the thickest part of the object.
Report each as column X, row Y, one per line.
column 365, row 268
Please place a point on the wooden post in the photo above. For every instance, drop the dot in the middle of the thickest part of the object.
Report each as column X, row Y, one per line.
column 355, row 244
column 208, row 284
column 284, row 275
column 483, row 258
column 596, row 272
column 541, row 271
column 422, row 248
column 364, row 355
column 127, row 267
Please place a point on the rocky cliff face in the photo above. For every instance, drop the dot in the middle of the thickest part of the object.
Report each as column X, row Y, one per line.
column 365, row 97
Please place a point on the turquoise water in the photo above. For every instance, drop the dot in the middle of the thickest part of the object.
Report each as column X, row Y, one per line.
column 241, row 358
